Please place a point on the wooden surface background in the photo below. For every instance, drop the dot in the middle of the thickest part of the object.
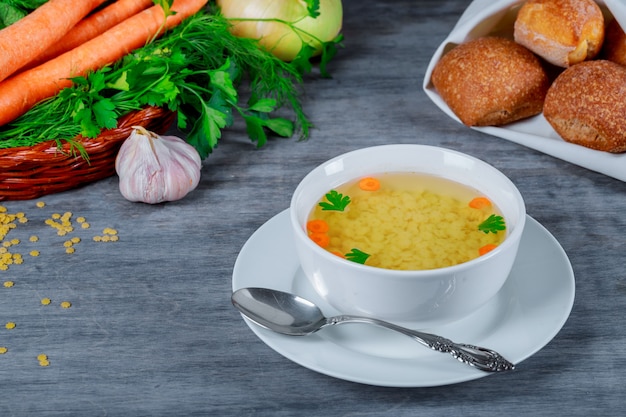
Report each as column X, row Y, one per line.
column 151, row 330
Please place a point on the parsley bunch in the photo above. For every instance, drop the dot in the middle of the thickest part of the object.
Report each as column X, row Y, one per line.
column 196, row 70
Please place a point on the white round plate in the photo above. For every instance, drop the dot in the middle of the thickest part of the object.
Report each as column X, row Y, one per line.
column 530, row 309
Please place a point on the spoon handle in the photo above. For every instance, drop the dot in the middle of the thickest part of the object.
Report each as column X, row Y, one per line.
column 481, row 358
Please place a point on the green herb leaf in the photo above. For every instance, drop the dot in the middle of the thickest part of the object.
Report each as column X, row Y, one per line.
column 255, row 131
column 166, row 5
column 265, row 105
column 104, row 114
column 88, row 126
column 207, row 130
column 9, row 15
column 492, row 224
column 120, row 83
column 280, row 126
column 302, row 61
column 313, row 7
column 336, row 201
column 358, row 256
column 329, row 50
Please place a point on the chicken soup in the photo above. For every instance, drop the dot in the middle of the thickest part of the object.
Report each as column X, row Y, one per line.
column 406, row 221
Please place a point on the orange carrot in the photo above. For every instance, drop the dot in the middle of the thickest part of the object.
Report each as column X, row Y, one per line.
column 321, row 239
column 339, row 254
column 487, row 248
column 92, row 26
column 369, row 184
column 27, row 38
column 22, row 91
column 317, row 226
column 480, row 202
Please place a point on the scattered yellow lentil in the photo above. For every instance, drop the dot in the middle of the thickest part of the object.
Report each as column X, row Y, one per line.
column 80, row 219
column 40, row 204
column 8, row 284
column 97, row 238
column 85, row 225
column 75, row 239
column 15, row 241
column 10, row 325
column 66, row 304
column 34, row 253
column 67, row 243
column 33, row 238
column 3, row 350
column 43, row 359
column 45, row 301
column 56, row 216
column 70, row 250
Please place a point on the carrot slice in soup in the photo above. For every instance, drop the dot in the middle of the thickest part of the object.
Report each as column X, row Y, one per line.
column 317, row 226
column 321, row 239
column 486, row 249
column 480, row 202
column 369, row 184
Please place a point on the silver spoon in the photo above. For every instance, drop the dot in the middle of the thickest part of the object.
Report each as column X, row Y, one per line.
column 292, row 315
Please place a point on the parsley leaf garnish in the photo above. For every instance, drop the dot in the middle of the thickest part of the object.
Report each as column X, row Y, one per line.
column 492, row 224
column 358, row 256
column 336, row 201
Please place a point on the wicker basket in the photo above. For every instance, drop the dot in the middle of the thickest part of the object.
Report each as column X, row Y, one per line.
column 34, row 171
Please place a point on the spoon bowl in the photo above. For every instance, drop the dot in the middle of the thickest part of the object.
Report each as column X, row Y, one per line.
column 292, row 315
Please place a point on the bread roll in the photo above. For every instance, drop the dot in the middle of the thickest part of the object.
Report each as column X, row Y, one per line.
column 563, row 32
column 586, row 105
column 615, row 43
column 491, row 81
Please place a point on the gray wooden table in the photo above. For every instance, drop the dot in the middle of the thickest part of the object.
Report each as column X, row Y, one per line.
column 151, row 330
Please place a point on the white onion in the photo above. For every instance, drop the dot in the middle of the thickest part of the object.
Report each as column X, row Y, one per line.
column 283, row 27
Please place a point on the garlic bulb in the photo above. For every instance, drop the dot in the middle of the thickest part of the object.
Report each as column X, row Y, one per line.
column 154, row 169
